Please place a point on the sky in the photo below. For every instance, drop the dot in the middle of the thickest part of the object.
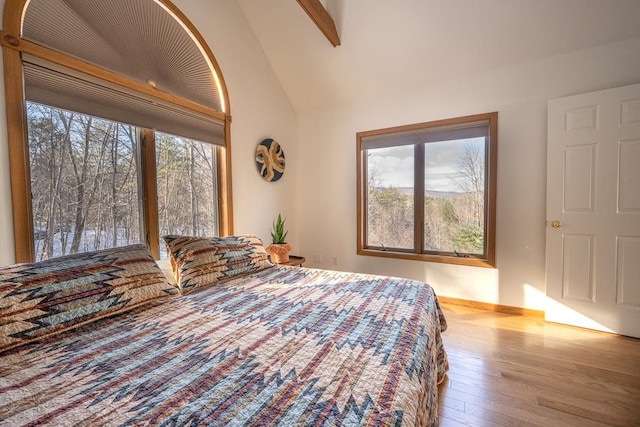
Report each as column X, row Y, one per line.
column 393, row 166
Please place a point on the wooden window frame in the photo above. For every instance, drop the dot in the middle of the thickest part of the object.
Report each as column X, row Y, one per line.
column 488, row 259
column 13, row 46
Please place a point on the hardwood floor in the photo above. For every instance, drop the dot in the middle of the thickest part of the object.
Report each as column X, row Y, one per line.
column 511, row 370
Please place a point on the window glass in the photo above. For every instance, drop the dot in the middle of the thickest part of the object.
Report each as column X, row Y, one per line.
column 186, row 183
column 390, row 197
column 84, row 182
column 454, row 196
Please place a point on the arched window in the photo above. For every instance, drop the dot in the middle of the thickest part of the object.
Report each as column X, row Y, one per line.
column 118, row 123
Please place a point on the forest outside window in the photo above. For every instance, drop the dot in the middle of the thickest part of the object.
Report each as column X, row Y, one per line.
column 186, row 174
column 86, row 183
column 427, row 191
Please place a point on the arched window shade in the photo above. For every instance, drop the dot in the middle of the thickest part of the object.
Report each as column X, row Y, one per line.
column 140, row 39
column 133, row 38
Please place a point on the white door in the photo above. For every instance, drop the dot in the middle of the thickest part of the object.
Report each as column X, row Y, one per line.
column 593, row 210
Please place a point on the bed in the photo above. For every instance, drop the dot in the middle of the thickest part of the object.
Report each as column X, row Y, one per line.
column 260, row 345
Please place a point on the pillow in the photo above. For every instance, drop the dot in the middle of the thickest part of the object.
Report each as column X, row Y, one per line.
column 201, row 261
column 47, row 297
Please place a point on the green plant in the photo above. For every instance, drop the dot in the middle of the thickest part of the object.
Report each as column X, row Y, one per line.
column 279, row 234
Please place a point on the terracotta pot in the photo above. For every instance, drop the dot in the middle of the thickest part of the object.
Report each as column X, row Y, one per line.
column 279, row 252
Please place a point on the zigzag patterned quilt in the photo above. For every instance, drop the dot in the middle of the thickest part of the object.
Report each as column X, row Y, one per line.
column 285, row 346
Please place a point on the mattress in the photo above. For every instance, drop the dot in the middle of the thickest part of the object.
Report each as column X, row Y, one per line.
column 284, row 346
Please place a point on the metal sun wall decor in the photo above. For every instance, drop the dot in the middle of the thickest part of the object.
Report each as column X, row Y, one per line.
column 270, row 160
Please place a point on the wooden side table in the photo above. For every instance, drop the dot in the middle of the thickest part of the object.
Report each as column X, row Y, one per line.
column 295, row 261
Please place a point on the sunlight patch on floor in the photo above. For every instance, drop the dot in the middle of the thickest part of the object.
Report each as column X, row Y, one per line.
column 559, row 313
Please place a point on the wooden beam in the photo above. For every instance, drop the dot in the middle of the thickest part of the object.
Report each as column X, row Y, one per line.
column 322, row 19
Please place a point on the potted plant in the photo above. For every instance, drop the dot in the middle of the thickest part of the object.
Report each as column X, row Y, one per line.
column 279, row 249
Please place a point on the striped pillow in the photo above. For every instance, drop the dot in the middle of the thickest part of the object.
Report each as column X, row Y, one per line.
column 47, row 297
column 201, row 261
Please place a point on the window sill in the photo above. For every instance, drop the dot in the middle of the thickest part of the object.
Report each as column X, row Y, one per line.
column 461, row 260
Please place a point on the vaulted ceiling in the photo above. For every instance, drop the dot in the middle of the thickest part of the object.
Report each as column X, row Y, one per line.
column 396, row 45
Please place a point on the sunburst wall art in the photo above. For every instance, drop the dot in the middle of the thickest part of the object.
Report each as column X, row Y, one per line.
column 270, row 160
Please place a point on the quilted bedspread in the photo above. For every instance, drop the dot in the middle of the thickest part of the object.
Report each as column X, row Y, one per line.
column 285, row 346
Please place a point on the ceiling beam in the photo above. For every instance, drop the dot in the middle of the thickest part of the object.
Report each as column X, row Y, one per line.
column 322, row 19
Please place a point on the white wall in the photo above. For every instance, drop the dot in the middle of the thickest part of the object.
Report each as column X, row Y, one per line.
column 317, row 192
column 327, row 184
column 259, row 109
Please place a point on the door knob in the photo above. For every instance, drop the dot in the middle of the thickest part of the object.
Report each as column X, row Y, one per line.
column 556, row 224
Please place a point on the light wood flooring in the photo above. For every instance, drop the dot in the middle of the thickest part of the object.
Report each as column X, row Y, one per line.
column 511, row 370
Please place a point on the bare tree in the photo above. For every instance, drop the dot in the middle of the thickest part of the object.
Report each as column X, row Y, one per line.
column 471, row 164
column 83, row 171
column 193, row 190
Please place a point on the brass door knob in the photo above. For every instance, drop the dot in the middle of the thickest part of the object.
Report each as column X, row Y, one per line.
column 556, row 224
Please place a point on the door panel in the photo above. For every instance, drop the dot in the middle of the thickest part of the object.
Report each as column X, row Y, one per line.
column 629, row 176
column 628, row 271
column 577, row 268
column 593, row 210
column 579, row 178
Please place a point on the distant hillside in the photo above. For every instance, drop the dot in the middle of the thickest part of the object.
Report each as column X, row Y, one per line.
column 431, row 193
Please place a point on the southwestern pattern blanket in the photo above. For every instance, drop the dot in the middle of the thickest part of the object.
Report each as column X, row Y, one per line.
column 283, row 346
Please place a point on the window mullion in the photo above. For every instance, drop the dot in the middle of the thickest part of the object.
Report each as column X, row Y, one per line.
column 149, row 191
column 223, row 163
column 418, row 185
